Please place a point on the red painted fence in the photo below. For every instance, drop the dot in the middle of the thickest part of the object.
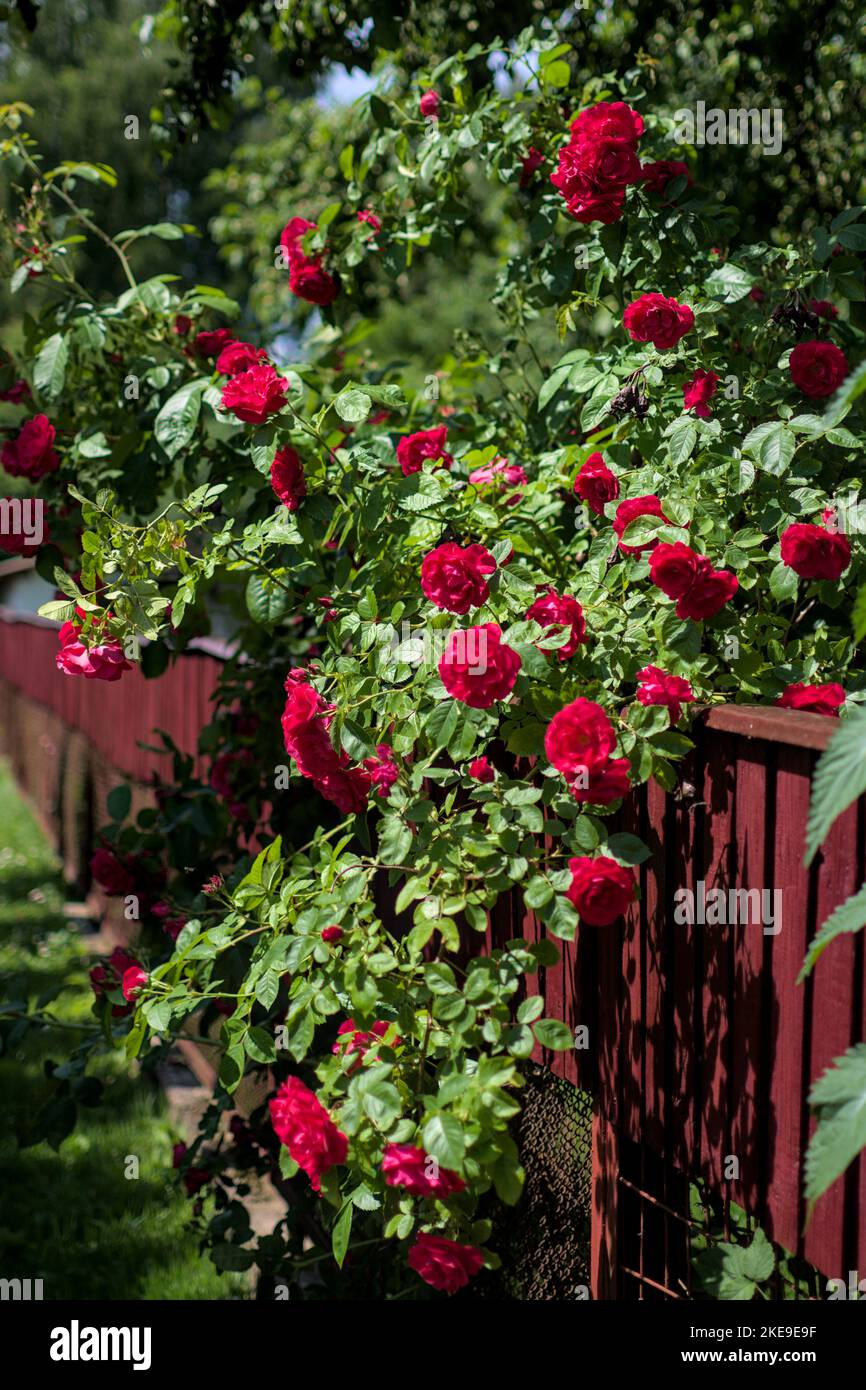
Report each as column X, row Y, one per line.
column 701, row 1046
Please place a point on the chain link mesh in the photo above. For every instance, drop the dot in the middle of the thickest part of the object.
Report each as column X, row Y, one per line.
column 544, row 1241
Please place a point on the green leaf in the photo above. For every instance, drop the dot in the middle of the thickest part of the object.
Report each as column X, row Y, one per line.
column 839, row 1099
column 852, row 238
column 341, row 1232
column 49, row 372
column 783, row 582
column 175, row 424
column 353, row 406
column 858, row 615
column 732, row 1273
column 849, row 916
column 729, row 283
column 266, row 601
column 442, row 1138
column 772, row 444
column 681, row 440
column 554, row 1034
column 118, row 802
column 627, row 848
column 840, row 777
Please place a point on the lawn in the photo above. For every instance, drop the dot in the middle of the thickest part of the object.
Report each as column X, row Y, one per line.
column 72, row 1218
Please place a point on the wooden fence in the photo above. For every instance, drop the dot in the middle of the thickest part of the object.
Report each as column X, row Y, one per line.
column 701, row 1047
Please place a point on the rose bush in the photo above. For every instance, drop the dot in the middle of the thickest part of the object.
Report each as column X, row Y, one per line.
column 464, row 671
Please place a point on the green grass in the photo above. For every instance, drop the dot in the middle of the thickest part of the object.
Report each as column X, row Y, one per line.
column 72, row 1218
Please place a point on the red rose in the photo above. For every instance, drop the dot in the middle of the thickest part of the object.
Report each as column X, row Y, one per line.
column 817, row 369
column 287, row 478
column 819, row 699
column 306, row 720
column 429, row 105
column 502, row 474
column 182, row 325
column 30, row 454
column 477, row 667
column 453, row 576
column 556, row 611
column 673, row 568
column 103, row 662
column 404, row 1165
column 211, row 344
column 332, row 934
column 23, row 541
column 17, row 393
column 134, row 980
column 442, row 1263
column 628, row 511
column 757, row 294
column 310, row 281
column 369, row 217
column 710, row 592
column 307, row 277
column 698, row 391
column 813, row 552
column 599, row 786
column 107, row 978
column 601, row 890
column 239, row 357
column 608, row 161
column 596, row 484
column 481, row 771
column 657, row 320
column 532, row 160
column 700, row 590
column 351, row 1039
column 579, row 736
column 382, row 769
column 255, row 395
column 413, row 449
column 661, row 172
column 823, row 308
column 111, row 874
column 658, row 688
column 303, row 1124
column 613, row 119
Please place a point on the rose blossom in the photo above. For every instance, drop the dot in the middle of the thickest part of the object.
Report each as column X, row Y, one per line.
column 256, row 394
column 481, row 771
column 601, row 890
column 305, row 721
column 332, row 934
column 30, row 454
column 134, row 981
column 405, row 1165
column 307, row 277
column 238, row 357
column 654, row 319
column 413, row 449
column 611, row 119
column 823, row 308
column 813, row 552
column 115, row 877
column 369, row 217
column 658, row 688
column 596, row 484
column 698, row 391
column 579, row 736
column 444, row 1264
column 599, row 162
column 17, row 393
column 352, row 1039
column 429, row 105
column 817, row 369
column 477, row 667
column 211, row 343
column 532, row 160
column 819, row 699
column 453, row 576
column 107, row 977
column 104, row 662
column 287, row 478
column 555, row 611
column 661, row 172
column 303, row 1124
column 700, row 590
column 382, row 769
column 503, row 474
column 629, row 511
